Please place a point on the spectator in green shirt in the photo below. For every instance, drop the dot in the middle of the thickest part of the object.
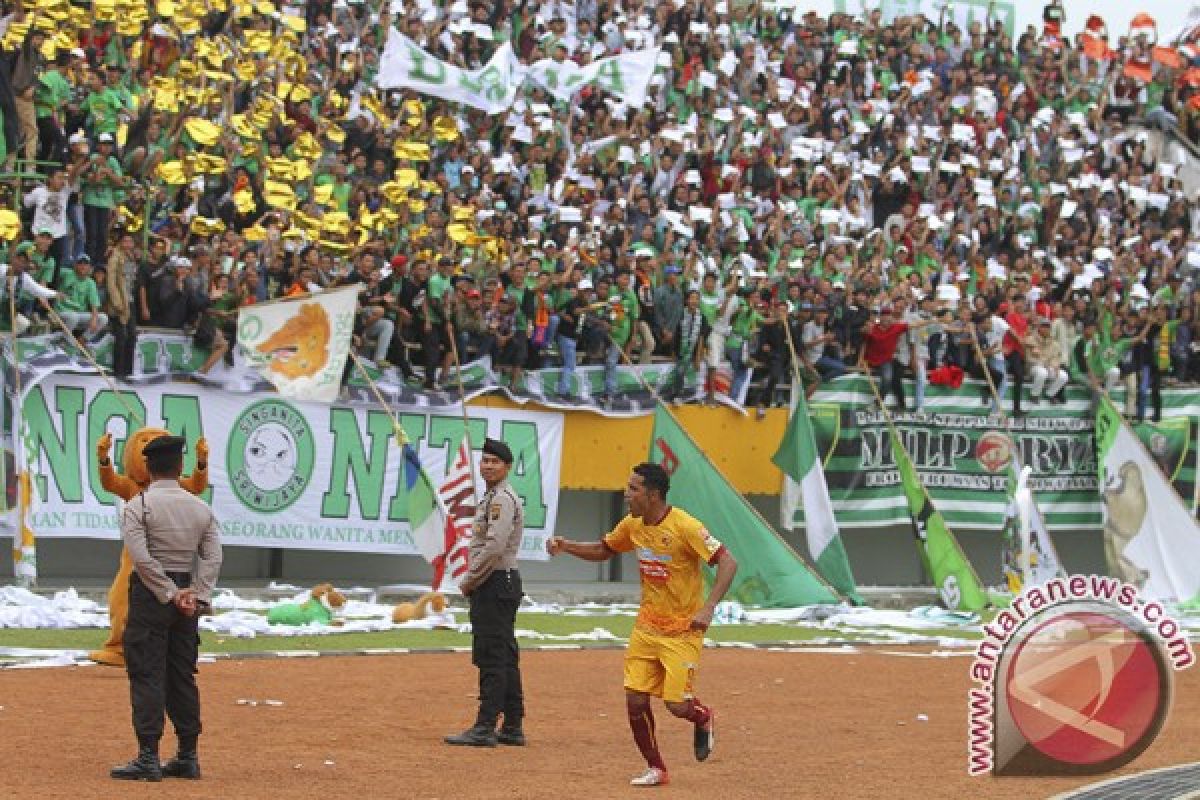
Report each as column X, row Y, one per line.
column 100, row 180
column 79, row 301
column 620, row 328
column 50, row 94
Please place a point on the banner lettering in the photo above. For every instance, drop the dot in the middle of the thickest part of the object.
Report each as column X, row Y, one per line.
column 282, row 473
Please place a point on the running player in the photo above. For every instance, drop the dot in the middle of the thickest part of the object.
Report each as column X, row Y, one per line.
column 664, row 649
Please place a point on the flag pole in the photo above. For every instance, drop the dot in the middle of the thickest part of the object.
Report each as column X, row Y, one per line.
column 987, row 376
column 462, row 401
column 397, row 428
column 660, row 404
column 92, row 361
column 22, row 533
column 896, row 440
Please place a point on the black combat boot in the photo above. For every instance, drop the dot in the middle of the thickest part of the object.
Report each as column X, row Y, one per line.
column 476, row 736
column 185, row 764
column 143, row 768
column 511, row 736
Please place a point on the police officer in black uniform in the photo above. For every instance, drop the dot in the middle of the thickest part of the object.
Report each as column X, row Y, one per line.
column 493, row 586
column 173, row 540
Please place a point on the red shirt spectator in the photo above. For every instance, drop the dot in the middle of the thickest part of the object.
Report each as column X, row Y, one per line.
column 882, row 337
column 1018, row 328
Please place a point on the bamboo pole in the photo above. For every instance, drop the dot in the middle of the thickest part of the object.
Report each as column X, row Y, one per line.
column 23, row 542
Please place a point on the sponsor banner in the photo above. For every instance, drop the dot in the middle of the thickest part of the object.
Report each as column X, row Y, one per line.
column 282, row 473
column 962, row 456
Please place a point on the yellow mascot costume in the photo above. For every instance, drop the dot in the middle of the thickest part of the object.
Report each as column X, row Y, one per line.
column 128, row 486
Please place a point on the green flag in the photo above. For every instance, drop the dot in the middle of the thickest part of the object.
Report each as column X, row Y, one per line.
column 798, row 458
column 770, row 573
column 952, row 574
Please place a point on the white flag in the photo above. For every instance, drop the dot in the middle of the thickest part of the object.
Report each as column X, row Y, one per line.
column 301, row 345
column 1151, row 539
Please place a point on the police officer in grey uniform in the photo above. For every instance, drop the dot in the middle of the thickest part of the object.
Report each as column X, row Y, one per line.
column 173, row 540
column 493, row 586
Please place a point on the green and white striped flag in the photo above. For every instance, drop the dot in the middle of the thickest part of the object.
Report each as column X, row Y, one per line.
column 797, row 456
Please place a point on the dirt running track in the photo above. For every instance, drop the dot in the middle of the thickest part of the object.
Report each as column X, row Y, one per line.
column 791, row 725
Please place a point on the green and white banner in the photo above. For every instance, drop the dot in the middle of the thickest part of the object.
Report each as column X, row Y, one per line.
column 962, row 457
column 626, row 75
column 491, row 88
column 282, row 473
column 494, row 87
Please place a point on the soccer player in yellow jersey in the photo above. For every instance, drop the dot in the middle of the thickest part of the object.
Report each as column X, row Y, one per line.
column 664, row 649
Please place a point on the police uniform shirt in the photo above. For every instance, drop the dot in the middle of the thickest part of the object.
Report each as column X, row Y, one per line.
column 167, row 529
column 496, row 534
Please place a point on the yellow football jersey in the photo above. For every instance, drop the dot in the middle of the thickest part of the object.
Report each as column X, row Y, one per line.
column 670, row 555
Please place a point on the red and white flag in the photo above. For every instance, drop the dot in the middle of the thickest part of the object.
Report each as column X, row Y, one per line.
column 1095, row 38
column 1144, row 25
column 457, row 496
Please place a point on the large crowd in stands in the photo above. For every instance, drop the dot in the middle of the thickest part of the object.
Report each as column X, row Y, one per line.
column 906, row 197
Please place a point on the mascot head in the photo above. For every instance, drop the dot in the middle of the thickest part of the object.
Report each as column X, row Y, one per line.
column 328, row 596
column 133, row 461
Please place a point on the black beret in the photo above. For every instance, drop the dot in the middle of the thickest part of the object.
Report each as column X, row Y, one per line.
column 165, row 446
column 497, row 448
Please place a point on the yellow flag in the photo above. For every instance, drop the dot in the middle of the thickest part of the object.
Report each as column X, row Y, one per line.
column 243, row 201
column 306, row 145
column 412, row 151
column 407, row 178
column 279, row 194
column 205, row 226
column 324, row 194
column 246, row 70
column 458, row 232
column 445, row 129
column 243, row 128
column 258, row 41
column 10, row 225
column 172, row 173
column 211, row 164
column 336, row 222
column 202, row 131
